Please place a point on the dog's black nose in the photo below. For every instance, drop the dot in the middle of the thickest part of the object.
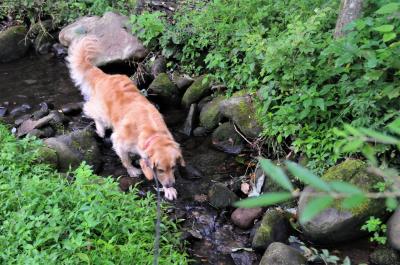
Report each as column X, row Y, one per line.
column 169, row 184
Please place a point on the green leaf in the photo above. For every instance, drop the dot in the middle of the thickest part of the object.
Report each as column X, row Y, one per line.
column 389, row 36
column 264, row 200
column 388, row 9
column 344, row 187
column 391, row 203
column 353, row 146
column 276, row 173
column 314, row 207
column 353, row 201
column 395, row 126
column 384, row 28
column 307, row 176
column 83, row 257
column 380, row 137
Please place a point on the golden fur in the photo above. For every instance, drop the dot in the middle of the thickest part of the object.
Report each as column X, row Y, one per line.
column 113, row 101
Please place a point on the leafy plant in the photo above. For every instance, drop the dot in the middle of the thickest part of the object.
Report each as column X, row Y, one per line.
column 47, row 219
column 375, row 226
column 148, row 26
column 326, row 192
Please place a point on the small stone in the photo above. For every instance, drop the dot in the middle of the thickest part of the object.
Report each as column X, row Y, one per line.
column 72, row 108
column 59, row 50
column 244, row 257
column 244, row 217
column 159, row 66
column 163, row 87
column 3, row 111
column 29, row 125
column 281, row 254
column 220, row 196
column 274, row 227
column 40, row 114
column 182, row 82
column 200, row 131
column 190, row 172
column 20, row 109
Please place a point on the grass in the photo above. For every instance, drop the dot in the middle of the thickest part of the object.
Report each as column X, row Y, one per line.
column 46, row 219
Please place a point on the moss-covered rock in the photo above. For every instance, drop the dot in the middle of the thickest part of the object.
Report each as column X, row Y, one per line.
column 74, row 148
column 240, row 109
column 281, row 254
column 274, row 227
column 220, row 196
column 13, row 44
column 336, row 224
column 48, row 156
column 210, row 114
column 384, row 256
column 164, row 88
column 199, row 89
column 226, row 139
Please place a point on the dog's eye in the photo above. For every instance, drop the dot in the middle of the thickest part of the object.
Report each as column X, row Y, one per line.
column 160, row 170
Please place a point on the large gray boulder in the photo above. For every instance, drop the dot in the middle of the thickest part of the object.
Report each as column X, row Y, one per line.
column 281, row 254
column 13, row 44
column 113, row 31
column 274, row 227
column 240, row 109
column 74, row 148
column 337, row 224
column 393, row 231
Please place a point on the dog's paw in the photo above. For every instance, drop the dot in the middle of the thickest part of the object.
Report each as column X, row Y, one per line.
column 134, row 172
column 170, row 193
column 101, row 133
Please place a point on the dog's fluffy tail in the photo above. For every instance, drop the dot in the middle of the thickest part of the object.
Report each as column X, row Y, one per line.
column 81, row 55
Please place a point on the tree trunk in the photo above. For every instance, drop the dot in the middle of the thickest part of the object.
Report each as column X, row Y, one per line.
column 349, row 11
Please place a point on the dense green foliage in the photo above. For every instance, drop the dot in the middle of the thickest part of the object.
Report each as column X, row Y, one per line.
column 62, row 11
column 46, row 219
column 309, row 82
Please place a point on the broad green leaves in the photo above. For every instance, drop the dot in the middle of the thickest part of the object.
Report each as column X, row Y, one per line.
column 264, row 200
column 314, row 207
column 388, row 8
column 276, row 173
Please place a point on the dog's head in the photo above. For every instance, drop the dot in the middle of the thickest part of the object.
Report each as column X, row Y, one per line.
column 163, row 156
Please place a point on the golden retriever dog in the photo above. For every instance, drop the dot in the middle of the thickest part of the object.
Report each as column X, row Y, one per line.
column 113, row 101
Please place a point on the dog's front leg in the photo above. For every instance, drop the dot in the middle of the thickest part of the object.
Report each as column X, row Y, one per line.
column 100, row 129
column 125, row 159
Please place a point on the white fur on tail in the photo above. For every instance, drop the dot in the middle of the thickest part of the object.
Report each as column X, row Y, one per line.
column 81, row 54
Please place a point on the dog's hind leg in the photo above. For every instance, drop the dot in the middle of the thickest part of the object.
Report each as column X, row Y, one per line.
column 90, row 110
column 124, row 156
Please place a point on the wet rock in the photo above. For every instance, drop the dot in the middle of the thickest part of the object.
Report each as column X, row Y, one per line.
column 29, row 125
column 75, row 147
column 72, row 108
column 190, row 120
column 164, row 88
column 59, row 50
column 336, row 224
column 158, row 66
column 40, row 114
column 23, row 118
column 3, row 111
column 196, row 91
column 200, row 131
column 281, row 254
column 244, row 258
column 182, row 81
column 114, row 33
column 220, row 196
column 59, row 119
column 43, row 133
column 385, row 256
column 43, row 42
column 190, row 172
column 13, row 44
column 20, row 110
column 393, row 230
column 204, row 101
column 210, row 114
column 240, row 109
column 244, row 217
column 274, row 227
column 226, row 139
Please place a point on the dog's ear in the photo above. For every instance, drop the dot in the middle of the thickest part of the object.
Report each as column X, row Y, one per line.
column 181, row 161
column 148, row 173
